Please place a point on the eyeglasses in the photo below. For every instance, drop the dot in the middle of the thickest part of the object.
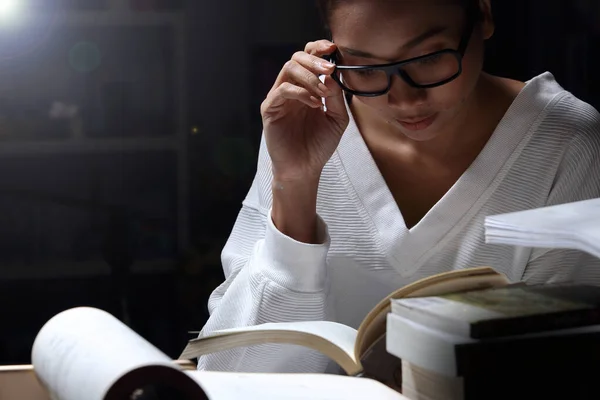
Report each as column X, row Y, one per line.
column 423, row 72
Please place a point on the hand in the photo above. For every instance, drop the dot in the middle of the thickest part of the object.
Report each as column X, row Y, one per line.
column 300, row 136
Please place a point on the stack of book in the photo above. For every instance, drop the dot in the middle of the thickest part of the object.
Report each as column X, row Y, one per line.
column 517, row 342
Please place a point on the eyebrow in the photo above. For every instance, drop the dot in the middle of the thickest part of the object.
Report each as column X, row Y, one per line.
column 410, row 44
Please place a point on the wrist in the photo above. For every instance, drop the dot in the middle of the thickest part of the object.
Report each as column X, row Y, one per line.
column 294, row 210
column 297, row 177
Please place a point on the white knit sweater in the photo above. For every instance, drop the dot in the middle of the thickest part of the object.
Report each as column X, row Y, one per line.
column 546, row 150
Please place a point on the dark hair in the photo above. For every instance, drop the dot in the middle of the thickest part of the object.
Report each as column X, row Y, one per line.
column 325, row 8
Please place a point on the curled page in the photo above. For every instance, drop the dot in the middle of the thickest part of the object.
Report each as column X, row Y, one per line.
column 574, row 225
column 86, row 353
column 332, row 339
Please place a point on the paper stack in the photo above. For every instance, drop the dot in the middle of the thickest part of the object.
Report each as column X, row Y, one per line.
column 570, row 226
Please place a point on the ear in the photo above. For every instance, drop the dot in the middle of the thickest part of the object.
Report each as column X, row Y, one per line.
column 487, row 20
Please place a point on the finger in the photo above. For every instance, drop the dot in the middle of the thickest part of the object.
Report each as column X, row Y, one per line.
column 299, row 75
column 319, row 47
column 316, row 65
column 289, row 92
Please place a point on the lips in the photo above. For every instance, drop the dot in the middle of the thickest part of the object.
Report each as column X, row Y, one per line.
column 418, row 123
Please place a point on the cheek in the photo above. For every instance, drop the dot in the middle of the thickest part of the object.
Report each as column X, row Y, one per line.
column 472, row 66
column 454, row 94
column 379, row 104
column 447, row 97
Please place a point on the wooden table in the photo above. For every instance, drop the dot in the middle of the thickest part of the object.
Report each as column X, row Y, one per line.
column 19, row 382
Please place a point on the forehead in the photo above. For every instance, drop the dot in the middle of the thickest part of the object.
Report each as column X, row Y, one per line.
column 358, row 21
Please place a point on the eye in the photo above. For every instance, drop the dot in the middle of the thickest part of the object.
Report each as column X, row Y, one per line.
column 365, row 72
column 432, row 60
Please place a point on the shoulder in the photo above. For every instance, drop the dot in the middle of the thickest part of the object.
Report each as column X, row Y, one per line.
column 565, row 141
column 566, row 129
column 569, row 120
column 577, row 125
column 574, row 124
column 577, row 120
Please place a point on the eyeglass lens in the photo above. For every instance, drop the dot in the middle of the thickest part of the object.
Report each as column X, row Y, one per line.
column 425, row 71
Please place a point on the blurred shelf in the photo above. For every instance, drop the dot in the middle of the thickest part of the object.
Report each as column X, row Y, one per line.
column 70, row 146
column 73, row 269
column 43, row 28
column 103, row 18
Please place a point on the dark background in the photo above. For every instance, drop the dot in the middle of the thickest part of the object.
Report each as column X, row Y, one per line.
column 125, row 203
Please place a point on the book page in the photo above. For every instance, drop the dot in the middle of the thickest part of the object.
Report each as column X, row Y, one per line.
column 248, row 386
column 564, row 217
column 420, row 383
column 341, row 335
column 328, row 333
column 80, row 353
column 573, row 225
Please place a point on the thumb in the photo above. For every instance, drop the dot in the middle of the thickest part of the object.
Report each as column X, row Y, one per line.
column 336, row 107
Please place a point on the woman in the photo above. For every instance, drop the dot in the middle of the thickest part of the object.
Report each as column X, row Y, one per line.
column 393, row 181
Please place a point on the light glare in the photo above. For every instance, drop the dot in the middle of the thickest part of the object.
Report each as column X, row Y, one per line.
column 9, row 7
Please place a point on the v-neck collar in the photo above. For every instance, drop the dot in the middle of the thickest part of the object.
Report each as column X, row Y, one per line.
column 408, row 249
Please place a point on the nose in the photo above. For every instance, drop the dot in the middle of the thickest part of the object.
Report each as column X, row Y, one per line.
column 404, row 96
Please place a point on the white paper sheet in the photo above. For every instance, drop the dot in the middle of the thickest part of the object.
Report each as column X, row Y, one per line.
column 571, row 226
column 81, row 352
column 230, row 386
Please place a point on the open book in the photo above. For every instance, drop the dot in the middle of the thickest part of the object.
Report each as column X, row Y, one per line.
column 355, row 351
column 573, row 225
column 87, row 354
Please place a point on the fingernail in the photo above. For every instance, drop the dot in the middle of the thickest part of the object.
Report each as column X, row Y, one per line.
column 327, row 65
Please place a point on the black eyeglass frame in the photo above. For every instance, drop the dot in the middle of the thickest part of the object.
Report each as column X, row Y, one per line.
column 394, row 68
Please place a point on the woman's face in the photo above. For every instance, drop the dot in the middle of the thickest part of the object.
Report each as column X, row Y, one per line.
column 378, row 32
